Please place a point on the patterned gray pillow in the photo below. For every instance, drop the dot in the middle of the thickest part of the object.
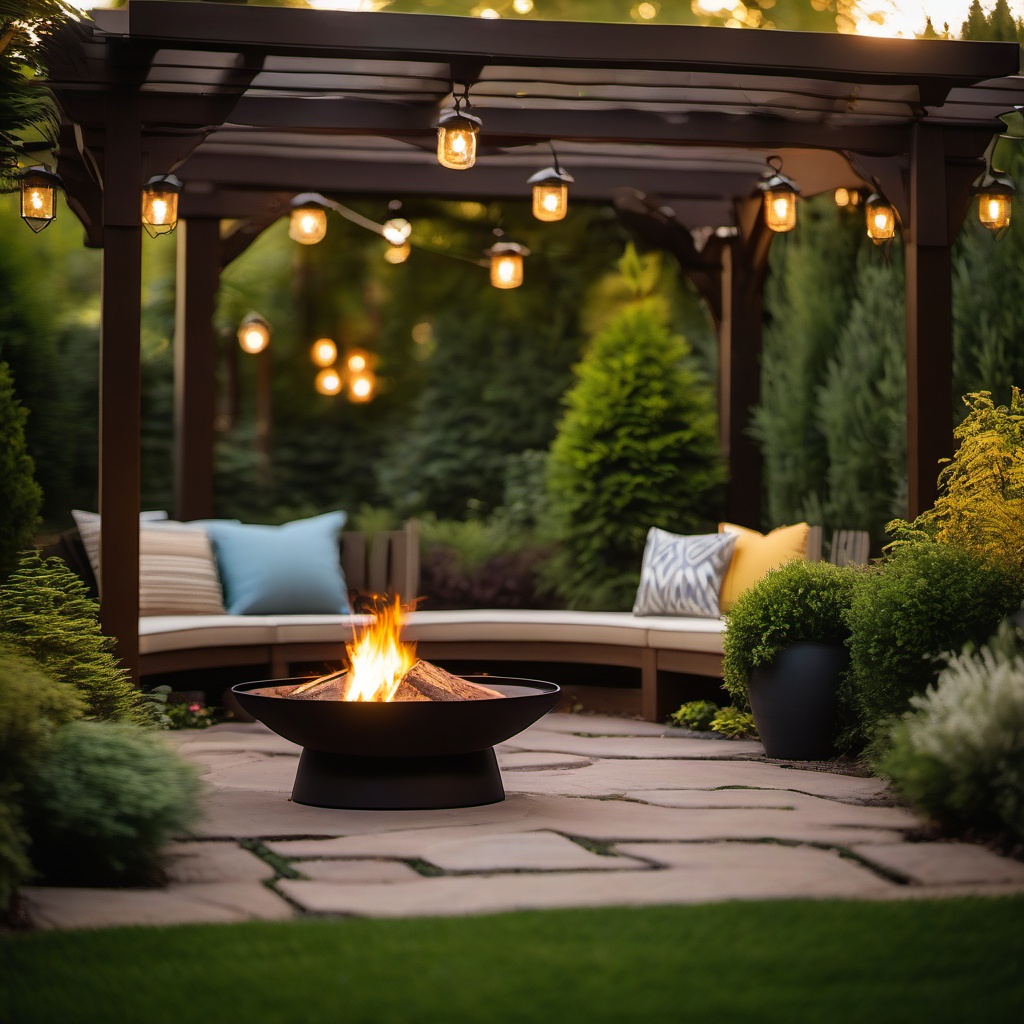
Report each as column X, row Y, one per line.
column 683, row 575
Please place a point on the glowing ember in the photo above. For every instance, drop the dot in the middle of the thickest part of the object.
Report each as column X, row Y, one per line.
column 378, row 659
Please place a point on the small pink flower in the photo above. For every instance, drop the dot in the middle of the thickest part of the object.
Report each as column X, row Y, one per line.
column 195, row 707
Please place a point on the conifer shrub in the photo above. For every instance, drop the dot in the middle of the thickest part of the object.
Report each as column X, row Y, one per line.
column 47, row 615
column 636, row 448
column 112, row 793
column 926, row 599
column 20, row 496
column 958, row 754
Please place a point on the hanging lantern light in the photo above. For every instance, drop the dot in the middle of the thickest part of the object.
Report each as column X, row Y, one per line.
column 39, row 196
column 779, row 197
column 842, row 197
column 308, row 221
column 324, row 352
column 361, row 386
column 880, row 219
column 160, row 204
column 253, row 334
column 328, row 381
column 507, row 264
column 396, row 233
column 456, row 135
column 995, row 194
column 551, row 191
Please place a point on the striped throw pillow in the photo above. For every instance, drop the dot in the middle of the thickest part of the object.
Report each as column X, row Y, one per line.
column 682, row 575
column 177, row 571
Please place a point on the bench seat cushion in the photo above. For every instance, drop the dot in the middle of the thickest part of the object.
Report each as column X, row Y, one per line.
column 160, row 633
column 678, row 633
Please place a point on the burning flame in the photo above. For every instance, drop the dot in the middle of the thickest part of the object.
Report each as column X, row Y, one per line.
column 378, row 659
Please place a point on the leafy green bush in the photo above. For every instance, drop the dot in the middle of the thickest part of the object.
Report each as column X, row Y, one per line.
column 798, row 602
column 958, row 755
column 113, row 794
column 46, row 614
column 32, row 708
column 924, row 600
column 735, row 724
column 695, row 714
column 20, row 496
column 637, row 447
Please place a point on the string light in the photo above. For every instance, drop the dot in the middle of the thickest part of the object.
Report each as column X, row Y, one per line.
column 779, row 197
column 253, row 334
column 160, row 204
column 456, row 135
column 324, row 352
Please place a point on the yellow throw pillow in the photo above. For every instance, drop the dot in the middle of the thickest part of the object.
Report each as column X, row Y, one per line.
column 755, row 554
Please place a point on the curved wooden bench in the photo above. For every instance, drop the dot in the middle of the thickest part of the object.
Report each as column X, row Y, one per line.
column 653, row 644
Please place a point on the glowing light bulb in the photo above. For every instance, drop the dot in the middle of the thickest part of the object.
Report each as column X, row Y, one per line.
column 324, row 352
column 456, row 139
column 361, row 387
column 842, row 197
column 328, row 381
column 36, row 200
column 356, row 362
column 307, row 225
column 522, row 6
column 253, row 334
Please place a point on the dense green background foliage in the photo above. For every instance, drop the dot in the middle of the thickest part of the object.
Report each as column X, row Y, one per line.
column 20, row 496
column 636, row 448
column 926, row 599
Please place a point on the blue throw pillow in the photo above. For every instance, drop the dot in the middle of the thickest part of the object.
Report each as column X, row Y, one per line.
column 281, row 570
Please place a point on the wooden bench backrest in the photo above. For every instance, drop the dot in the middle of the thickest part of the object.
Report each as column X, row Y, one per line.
column 849, row 547
column 389, row 563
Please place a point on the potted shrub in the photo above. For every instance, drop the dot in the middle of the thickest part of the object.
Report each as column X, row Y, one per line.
column 785, row 655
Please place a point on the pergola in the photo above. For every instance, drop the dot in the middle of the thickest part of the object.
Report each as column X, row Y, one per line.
column 252, row 105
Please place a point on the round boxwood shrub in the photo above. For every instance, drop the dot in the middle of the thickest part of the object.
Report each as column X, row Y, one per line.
column 103, row 803
column 925, row 600
column 798, row 602
column 958, row 755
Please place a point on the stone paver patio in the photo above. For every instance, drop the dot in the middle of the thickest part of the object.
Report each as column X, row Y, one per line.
column 600, row 811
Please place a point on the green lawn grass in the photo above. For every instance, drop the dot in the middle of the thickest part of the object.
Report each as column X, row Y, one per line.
column 956, row 961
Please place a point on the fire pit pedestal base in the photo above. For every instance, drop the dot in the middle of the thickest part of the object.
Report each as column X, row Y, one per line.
column 397, row 783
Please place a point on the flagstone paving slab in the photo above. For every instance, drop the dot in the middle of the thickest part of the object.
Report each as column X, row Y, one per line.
column 529, row 760
column 214, row 862
column 944, row 863
column 179, row 904
column 472, row 848
column 599, row 725
column 357, row 872
column 768, row 872
column 634, row 747
column 605, row 778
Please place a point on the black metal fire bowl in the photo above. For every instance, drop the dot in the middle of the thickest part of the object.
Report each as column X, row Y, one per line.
column 403, row 755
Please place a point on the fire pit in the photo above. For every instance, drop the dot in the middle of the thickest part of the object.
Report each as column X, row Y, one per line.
column 394, row 733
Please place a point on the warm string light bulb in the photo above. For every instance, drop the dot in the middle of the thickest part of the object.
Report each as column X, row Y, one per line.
column 253, row 334
column 456, row 136
column 507, row 264
column 361, row 386
column 357, row 361
column 308, row 224
column 995, row 201
column 38, row 197
column 324, row 352
column 328, row 381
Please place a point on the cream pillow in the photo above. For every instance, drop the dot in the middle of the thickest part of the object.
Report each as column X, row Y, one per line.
column 177, row 573
column 755, row 554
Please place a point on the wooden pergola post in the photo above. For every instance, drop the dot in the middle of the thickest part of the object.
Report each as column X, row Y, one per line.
column 195, row 366
column 120, row 385
column 929, row 318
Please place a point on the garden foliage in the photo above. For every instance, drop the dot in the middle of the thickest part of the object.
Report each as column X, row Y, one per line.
column 734, row 723
column 47, row 615
column 958, row 754
column 926, row 599
column 981, row 502
column 695, row 714
column 798, row 602
column 20, row 496
column 112, row 793
column 637, row 447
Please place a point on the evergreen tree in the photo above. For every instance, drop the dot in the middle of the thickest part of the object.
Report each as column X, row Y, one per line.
column 861, row 404
column 20, row 496
column 46, row 615
column 807, row 297
column 976, row 26
column 637, row 447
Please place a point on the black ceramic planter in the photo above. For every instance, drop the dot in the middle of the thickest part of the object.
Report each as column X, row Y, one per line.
column 793, row 701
